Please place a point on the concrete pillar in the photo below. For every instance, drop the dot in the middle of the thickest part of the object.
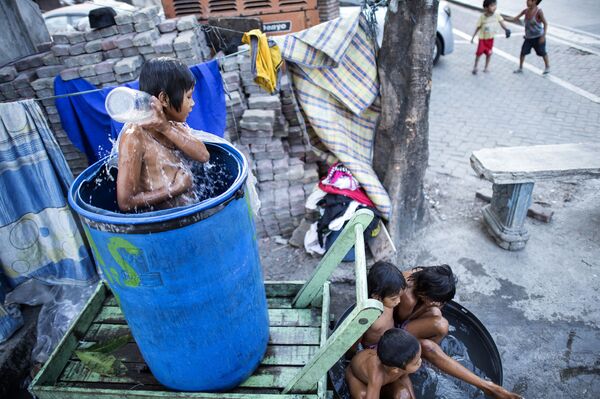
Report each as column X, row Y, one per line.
column 505, row 215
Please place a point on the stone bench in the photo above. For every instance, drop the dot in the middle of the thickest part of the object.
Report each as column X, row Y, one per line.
column 513, row 172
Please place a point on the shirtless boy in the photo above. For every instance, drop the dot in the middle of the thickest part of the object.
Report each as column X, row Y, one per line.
column 153, row 172
column 419, row 313
column 384, row 371
column 385, row 283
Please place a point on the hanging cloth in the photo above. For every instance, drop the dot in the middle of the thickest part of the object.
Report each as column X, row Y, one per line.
column 335, row 81
column 91, row 130
column 266, row 60
column 38, row 234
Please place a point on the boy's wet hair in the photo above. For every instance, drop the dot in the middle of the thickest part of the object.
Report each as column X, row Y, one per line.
column 487, row 3
column 397, row 348
column 437, row 283
column 169, row 75
column 384, row 279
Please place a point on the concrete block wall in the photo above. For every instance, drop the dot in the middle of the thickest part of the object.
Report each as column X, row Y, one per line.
column 270, row 130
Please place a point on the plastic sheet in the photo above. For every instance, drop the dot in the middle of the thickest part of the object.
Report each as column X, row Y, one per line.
column 60, row 304
column 10, row 316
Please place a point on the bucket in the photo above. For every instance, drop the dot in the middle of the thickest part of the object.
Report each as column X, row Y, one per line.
column 188, row 279
column 464, row 327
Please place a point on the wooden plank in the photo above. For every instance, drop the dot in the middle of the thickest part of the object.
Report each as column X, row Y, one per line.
column 277, row 317
column 322, row 384
column 294, row 318
column 289, row 355
column 279, row 302
column 282, row 288
column 353, row 327
column 264, row 377
column 116, row 391
column 59, row 357
column 332, row 259
column 278, row 335
column 295, row 335
column 276, row 295
column 276, row 355
column 360, row 267
column 528, row 164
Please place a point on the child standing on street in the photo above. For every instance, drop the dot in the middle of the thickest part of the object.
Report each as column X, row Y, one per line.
column 535, row 33
column 487, row 27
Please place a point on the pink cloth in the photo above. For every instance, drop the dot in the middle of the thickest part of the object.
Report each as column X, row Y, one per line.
column 357, row 195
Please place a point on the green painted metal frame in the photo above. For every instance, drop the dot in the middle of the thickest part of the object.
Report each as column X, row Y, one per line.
column 309, row 383
column 362, row 317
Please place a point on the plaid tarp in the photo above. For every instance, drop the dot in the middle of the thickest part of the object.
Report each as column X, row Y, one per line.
column 335, row 79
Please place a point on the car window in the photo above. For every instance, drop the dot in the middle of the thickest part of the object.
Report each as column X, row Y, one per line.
column 350, row 3
column 59, row 23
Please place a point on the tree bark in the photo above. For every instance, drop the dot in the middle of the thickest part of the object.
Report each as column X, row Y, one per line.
column 401, row 149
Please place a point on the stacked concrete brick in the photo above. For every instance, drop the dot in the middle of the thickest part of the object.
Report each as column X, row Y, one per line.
column 33, row 77
column 328, row 9
column 269, row 129
column 105, row 57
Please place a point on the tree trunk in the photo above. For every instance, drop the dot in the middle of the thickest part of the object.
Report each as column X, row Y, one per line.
column 401, row 142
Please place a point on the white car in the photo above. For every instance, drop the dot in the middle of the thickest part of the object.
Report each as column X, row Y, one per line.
column 444, row 42
column 75, row 17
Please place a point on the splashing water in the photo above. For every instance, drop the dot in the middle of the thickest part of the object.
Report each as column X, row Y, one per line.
column 430, row 382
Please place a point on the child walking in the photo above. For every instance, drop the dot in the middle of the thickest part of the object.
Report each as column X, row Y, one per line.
column 536, row 27
column 487, row 27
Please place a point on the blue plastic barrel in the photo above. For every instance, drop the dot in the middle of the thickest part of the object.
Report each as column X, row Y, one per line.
column 188, row 279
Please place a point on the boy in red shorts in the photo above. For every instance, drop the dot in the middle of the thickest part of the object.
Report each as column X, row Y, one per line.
column 486, row 26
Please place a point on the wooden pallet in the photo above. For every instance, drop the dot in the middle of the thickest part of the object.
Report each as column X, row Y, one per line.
column 298, row 356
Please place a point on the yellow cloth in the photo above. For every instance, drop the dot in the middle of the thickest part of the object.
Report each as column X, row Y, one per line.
column 265, row 60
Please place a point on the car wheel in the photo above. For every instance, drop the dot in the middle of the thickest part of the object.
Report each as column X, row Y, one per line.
column 437, row 50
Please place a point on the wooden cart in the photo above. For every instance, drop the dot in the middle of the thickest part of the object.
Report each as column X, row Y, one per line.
column 298, row 356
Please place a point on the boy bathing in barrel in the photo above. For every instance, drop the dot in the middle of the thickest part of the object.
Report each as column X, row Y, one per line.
column 384, row 371
column 153, row 172
column 419, row 313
